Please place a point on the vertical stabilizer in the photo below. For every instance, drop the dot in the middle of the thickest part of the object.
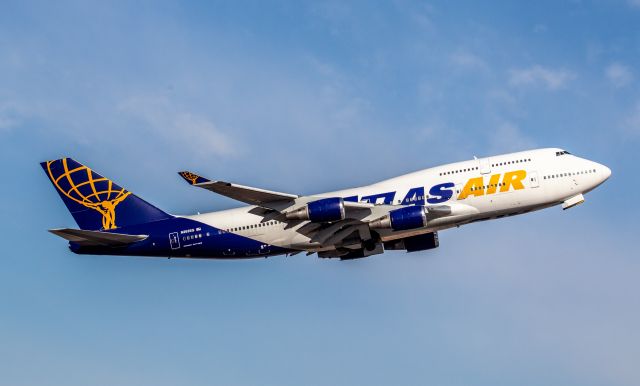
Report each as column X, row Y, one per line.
column 96, row 202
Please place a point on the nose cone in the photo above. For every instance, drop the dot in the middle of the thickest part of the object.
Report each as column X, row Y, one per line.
column 606, row 172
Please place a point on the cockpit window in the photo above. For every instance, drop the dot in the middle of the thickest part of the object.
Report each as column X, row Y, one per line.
column 563, row 152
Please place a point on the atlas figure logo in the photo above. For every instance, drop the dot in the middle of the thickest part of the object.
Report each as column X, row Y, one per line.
column 81, row 185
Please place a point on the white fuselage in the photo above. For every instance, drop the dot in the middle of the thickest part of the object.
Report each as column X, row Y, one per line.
column 478, row 189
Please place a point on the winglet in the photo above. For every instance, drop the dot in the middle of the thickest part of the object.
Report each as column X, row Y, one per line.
column 193, row 178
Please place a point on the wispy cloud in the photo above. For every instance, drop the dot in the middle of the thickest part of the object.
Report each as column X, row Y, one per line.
column 631, row 124
column 552, row 79
column 509, row 137
column 634, row 3
column 618, row 74
column 10, row 116
column 467, row 60
column 185, row 129
column 423, row 15
column 540, row 28
column 7, row 122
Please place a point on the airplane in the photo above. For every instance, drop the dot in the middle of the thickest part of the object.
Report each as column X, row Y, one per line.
column 401, row 213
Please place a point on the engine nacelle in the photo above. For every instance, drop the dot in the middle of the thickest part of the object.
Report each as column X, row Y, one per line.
column 324, row 210
column 410, row 217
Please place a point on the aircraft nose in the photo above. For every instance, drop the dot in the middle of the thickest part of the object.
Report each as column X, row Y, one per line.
column 605, row 172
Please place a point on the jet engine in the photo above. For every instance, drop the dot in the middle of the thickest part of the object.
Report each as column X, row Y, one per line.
column 410, row 217
column 324, row 210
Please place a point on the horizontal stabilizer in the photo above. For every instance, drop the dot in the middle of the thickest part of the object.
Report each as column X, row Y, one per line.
column 97, row 238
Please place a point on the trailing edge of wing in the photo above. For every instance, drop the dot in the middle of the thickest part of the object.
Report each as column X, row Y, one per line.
column 253, row 196
column 246, row 194
column 97, row 238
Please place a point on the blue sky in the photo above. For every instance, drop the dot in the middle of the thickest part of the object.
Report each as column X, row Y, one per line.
column 307, row 97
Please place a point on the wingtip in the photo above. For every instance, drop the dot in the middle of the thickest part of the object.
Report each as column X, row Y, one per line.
column 192, row 178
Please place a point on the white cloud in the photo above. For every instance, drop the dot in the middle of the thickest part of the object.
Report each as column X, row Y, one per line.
column 6, row 122
column 631, row 124
column 540, row 28
column 422, row 15
column 9, row 116
column 467, row 60
column 553, row 79
column 191, row 131
column 618, row 74
column 508, row 137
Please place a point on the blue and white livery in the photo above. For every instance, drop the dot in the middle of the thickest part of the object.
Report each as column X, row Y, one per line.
column 402, row 213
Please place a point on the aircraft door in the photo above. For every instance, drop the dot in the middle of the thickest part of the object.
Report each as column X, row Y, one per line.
column 533, row 179
column 174, row 240
column 484, row 165
column 457, row 192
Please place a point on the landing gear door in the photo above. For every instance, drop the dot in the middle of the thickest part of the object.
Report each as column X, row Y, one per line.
column 484, row 165
column 533, row 179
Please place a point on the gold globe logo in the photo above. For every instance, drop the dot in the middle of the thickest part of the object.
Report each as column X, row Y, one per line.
column 193, row 178
column 103, row 201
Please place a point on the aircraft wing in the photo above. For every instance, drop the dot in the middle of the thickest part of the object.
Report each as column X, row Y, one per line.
column 350, row 237
column 97, row 238
column 256, row 196
column 282, row 202
column 246, row 194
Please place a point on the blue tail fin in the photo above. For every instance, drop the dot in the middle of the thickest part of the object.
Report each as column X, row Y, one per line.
column 95, row 202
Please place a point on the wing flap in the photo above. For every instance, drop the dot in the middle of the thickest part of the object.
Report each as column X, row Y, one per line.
column 97, row 238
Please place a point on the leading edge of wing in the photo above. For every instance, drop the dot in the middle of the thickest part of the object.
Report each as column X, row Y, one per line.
column 246, row 194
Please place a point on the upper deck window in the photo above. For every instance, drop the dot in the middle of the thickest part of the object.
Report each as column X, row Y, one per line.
column 563, row 152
